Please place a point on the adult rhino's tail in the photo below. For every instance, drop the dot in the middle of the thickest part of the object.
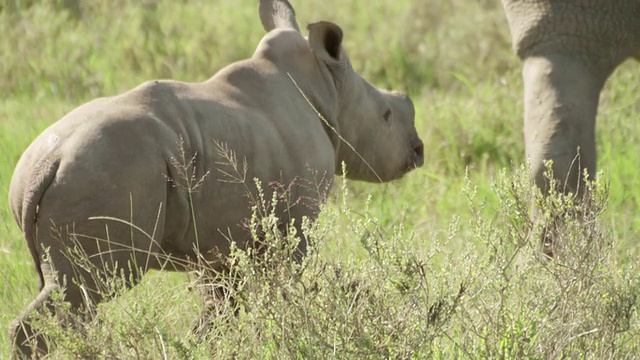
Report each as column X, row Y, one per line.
column 39, row 180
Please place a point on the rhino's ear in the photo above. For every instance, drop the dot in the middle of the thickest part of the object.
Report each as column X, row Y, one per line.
column 277, row 14
column 325, row 39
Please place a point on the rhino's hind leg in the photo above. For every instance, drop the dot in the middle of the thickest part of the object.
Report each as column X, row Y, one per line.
column 29, row 342
column 85, row 278
column 25, row 341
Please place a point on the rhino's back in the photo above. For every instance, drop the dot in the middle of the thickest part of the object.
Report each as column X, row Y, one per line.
column 160, row 115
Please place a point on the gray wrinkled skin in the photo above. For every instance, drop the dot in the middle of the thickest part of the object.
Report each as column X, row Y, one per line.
column 116, row 157
column 569, row 48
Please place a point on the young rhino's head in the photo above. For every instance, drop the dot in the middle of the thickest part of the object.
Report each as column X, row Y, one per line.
column 377, row 137
column 380, row 142
column 378, row 126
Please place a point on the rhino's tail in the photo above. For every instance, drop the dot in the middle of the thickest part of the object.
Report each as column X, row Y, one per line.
column 41, row 178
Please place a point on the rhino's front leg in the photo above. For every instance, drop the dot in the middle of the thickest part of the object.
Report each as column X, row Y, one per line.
column 561, row 103
column 218, row 294
column 219, row 288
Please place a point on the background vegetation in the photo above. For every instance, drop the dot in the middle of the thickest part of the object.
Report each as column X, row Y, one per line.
column 421, row 267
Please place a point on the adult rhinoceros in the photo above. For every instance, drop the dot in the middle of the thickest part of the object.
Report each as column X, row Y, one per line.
column 569, row 48
column 115, row 158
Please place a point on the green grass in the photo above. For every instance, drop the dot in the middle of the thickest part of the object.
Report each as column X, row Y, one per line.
column 455, row 60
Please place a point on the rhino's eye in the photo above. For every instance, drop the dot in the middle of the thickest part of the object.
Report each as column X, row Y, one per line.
column 387, row 115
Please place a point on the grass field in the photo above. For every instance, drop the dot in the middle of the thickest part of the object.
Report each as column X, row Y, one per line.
column 421, row 267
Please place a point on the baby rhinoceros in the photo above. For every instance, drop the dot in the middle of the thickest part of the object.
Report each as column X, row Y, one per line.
column 107, row 177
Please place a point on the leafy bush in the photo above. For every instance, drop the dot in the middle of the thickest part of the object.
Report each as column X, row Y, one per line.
column 498, row 298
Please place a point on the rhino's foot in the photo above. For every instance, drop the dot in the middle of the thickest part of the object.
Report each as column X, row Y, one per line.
column 546, row 245
column 216, row 310
column 26, row 343
column 203, row 326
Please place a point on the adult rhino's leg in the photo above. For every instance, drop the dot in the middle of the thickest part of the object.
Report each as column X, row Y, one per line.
column 561, row 104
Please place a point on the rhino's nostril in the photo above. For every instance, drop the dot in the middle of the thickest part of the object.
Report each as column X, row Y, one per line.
column 418, row 149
